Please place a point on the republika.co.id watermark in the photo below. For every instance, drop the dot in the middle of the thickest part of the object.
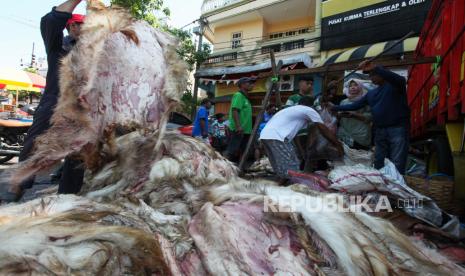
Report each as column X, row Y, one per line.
column 336, row 203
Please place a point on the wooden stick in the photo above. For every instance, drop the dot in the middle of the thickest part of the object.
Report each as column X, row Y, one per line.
column 275, row 69
column 258, row 120
column 343, row 67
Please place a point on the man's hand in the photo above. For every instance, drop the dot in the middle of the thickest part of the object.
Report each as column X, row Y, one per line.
column 340, row 148
column 68, row 6
column 239, row 130
column 366, row 66
column 327, row 105
column 346, row 114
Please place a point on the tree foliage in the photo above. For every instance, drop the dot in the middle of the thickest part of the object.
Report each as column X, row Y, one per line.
column 31, row 70
column 187, row 50
column 143, row 9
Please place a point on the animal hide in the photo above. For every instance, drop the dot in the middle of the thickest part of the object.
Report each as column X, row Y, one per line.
column 362, row 244
column 122, row 73
column 235, row 239
column 72, row 235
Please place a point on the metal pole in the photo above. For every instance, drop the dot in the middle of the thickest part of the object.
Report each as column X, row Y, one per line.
column 17, row 97
column 32, row 55
column 197, row 66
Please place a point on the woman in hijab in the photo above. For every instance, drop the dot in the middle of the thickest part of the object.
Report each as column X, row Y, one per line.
column 355, row 126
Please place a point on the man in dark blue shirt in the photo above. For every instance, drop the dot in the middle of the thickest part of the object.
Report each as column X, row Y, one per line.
column 56, row 47
column 391, row 115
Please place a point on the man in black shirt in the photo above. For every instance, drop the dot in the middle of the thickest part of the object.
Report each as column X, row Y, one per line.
column 56, row 47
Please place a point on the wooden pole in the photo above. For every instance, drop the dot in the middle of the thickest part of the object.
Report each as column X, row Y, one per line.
column 258, row 120
column 275, row 69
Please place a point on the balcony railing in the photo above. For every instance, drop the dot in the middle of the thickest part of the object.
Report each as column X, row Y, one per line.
column 218, row 59
column 280, row 47
column 290, row 33
column 211, row 5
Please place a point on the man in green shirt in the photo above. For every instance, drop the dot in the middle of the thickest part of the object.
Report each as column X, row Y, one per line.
column 240, row 119
column 305, row 89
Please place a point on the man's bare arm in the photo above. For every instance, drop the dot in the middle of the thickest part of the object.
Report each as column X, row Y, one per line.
column 236, row 119
column 331, row 137
column 68, row 6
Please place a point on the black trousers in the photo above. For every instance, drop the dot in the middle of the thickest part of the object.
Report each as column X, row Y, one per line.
column 236, row 146
column 73, row 172
column 71, row 177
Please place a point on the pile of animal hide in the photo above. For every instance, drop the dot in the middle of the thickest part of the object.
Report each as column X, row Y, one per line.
column 181, row 209
column 157, row 202
column 213, row 229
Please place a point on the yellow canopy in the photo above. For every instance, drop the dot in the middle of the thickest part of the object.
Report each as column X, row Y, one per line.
column 22, row 88
column 14, row 77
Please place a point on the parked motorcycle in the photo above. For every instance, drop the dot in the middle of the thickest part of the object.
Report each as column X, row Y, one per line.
column 12, row 135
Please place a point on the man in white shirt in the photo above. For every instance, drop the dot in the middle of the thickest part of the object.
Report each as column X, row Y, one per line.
column 279, row 132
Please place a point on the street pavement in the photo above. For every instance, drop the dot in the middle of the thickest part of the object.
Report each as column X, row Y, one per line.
column 41, row 184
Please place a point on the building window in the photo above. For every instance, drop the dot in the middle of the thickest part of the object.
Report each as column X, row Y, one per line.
column 304, row 31
column 236, row 40
column 231, row 56
column 267, row 49
column 293, row 45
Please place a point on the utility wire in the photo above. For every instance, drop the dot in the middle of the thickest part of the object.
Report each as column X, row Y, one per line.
column 20, row 22
column 188, row 24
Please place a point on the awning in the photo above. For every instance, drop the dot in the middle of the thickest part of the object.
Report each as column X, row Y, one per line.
column 37, row 80
column 220, row 71
column 22, row 79
column 22, row 88
column 14, row 77
column 367, row 51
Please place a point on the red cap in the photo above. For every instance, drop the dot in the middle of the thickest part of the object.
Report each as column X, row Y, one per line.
column 76, row 18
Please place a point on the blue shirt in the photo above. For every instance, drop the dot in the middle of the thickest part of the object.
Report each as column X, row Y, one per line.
column 266, row 118
column 388, row 102
column 202, row 113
